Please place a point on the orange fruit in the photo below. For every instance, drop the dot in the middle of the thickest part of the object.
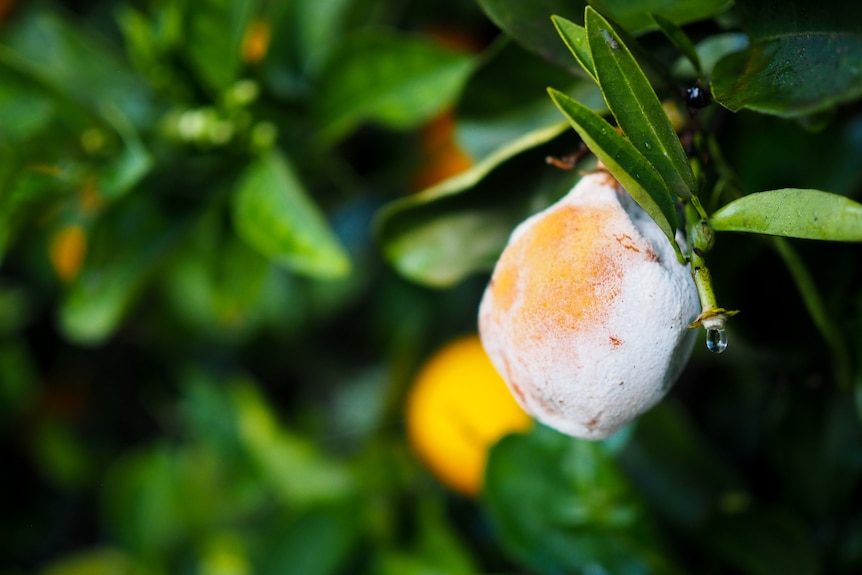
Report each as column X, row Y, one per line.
column 457, row 409
column 586, row 315
column 67, row 250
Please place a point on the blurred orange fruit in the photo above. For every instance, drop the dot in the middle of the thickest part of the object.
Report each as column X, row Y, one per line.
column 457, row 409
column 255, row 43
column 442, row 156
column 67, row 250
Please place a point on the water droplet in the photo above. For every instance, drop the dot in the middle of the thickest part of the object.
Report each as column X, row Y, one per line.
column 716, row 340
column 647, row 145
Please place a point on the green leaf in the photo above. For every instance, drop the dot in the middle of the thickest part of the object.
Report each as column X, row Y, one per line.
column 793, row 213
column 505, row 98
column 636, row 107
column 395, row 80
column 792, row 75
column 680, row 40
column 763, row 543
column 681, row 473
column 95, row 562
column 634, row 15
column 215, row 35
column 273, row 214
column 124, row 251
column 575, row 37
column 528, row 24
column 460, row 226
column 74, row 66
column 573, row 510
column 623, row 161
column 316, row 542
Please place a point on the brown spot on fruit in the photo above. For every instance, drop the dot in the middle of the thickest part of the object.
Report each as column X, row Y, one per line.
column 615, row 342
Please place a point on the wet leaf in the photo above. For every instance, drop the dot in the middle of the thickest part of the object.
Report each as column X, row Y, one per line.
column 636, row 107
column 793, row 213
column 274, row 215
column 623, row 161
column 791, row 76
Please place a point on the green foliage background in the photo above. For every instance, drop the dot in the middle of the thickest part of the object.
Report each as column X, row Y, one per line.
column 218, row 388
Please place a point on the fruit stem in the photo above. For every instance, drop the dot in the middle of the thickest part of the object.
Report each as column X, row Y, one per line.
column 701, row 238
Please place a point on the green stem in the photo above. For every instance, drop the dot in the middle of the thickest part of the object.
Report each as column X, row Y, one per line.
column 817, row 310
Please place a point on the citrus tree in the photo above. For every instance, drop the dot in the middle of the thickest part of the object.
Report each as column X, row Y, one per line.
column 240, row 241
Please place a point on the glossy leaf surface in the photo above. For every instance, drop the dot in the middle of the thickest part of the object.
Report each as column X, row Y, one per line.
column 274, row 215
column 794, row 213
column 575, row 37
column 636, row 107
column 791, row 75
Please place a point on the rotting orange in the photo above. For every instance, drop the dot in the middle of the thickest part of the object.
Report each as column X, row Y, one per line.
column 586, row 315
column 457, row 409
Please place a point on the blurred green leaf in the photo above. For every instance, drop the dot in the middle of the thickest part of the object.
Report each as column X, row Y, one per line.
column 96, row 562
column 709, row 51
column 575, row 37
column 530, row 25
column 763, row 543
column 437, row 550
column 505, row 99
column 215, row 31
column 142, row 502
column 274, row 215
column 218, row 284
column 297, row 472
column 683, row 476
column 395, row 80
column 124, row 250
column 635, row 15
column 18, row 383
column 636, row 107
column 72, row 64
column 680, row 40
column 794, row 213
column 62, row 456
column 458, row 227
column 561, row 505
column 623, row 161
column 132, row 164
column 24, row 109
column 316, row 542
column 528, row 22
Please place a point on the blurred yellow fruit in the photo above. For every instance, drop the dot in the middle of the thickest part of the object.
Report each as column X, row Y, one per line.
column 586, row 315
column 67, row 250
column 458, row 408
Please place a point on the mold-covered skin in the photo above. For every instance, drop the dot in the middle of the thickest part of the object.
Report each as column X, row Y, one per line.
column 586, row 315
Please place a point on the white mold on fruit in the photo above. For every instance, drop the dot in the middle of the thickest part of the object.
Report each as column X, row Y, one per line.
column 586, row 315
